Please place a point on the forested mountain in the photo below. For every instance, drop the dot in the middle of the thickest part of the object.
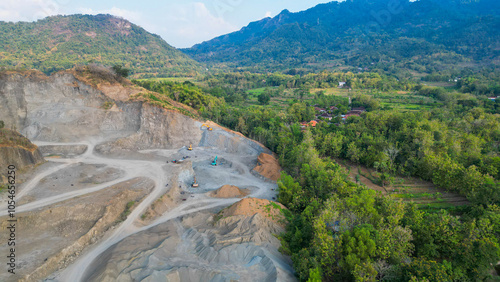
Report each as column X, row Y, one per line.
column 60, row 42
column 423, row 36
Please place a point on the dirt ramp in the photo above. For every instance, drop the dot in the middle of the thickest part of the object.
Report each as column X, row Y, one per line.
column 268, row 166
column 251, row 206
column 229, row 191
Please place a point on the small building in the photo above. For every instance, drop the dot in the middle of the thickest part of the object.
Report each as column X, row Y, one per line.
column 360, row 109
column 342, row 84
column 492, row 98
column 355, row 112
column 326, row 116
column 312, row 123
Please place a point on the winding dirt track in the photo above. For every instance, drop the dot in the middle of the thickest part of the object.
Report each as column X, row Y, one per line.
column 154, row 170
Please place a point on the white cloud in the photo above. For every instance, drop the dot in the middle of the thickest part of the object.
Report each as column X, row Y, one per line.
column 268, row 14
column 192, row 23
column 134, row 17
column 30, row 10
column 182, row 24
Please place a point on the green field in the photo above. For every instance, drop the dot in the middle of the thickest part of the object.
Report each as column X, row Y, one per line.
column 171, row 79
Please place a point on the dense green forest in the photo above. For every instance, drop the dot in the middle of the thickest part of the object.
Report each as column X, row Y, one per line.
column 61, row 42
column 399, row 37
column 341, row 231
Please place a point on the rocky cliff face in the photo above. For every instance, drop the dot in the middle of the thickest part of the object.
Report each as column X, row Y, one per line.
column 19, row 157
column 61, row 108
column 65, row 108
column 17, row 150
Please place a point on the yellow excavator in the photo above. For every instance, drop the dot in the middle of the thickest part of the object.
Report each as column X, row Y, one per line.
column 195, row 184
column 190, row 147
column 208, row 127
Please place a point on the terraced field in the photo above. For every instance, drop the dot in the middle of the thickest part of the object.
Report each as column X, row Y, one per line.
column 425, row 194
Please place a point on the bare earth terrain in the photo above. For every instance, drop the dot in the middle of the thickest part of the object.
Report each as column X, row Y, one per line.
column 110, row 205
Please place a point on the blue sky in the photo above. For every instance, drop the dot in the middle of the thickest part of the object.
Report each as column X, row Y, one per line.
column 180, row 23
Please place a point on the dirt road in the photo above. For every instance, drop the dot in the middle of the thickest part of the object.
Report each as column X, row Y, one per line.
column 233, row 169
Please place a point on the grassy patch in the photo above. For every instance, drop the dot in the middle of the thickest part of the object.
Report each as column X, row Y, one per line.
column 217, row 217
column 170, row 79
column 436, row 206
column 9, row 138
column 127, row 211
column 107, row 105
column 257, row 91
column 415, row 196
column 374, row 179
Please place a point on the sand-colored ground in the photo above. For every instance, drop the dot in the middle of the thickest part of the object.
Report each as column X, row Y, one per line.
column 229, row 191
column 251, row 206
column 99, row 148
column 268, row 166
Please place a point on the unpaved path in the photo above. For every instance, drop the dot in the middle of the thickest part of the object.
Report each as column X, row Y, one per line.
column 238, row 170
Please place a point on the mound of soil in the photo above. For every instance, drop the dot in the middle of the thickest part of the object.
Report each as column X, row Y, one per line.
column 251, row 206
column 268, row 166
column 229, row 191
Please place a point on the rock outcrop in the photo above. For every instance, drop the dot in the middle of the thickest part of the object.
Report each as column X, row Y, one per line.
column 69, row 106
column 17, row 150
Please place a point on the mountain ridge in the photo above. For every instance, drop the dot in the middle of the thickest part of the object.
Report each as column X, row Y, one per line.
column 61, row 42
column 360, row 32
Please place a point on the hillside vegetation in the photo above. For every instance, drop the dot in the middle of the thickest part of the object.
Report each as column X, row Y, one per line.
column 410, row 38
column 10, row 138
column 61, row 42
column 338, row 228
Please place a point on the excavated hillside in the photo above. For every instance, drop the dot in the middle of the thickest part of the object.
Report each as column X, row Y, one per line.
column 109, row 203
column 18, row 151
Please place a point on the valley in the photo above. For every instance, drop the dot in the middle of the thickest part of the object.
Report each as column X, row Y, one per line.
column 350, row 141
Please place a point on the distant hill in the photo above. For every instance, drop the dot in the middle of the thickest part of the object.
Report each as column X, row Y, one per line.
column 60, row 42
column 422, row 36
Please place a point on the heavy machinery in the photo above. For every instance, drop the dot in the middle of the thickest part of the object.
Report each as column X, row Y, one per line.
column 208, row 127
column 190, row 147
column 195, row 184
column 214, row 163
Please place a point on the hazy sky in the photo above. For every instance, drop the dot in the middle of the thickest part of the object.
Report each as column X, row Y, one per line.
column 180, row 23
